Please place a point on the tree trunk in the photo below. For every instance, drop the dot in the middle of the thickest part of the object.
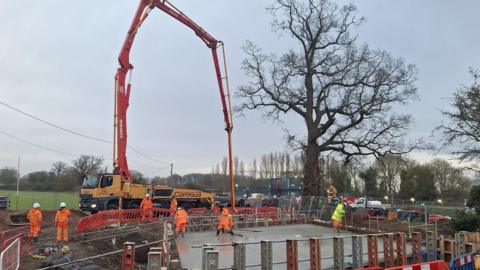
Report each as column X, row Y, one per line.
column 312, row 183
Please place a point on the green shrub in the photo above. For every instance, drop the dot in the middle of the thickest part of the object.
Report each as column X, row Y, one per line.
column 465, row 222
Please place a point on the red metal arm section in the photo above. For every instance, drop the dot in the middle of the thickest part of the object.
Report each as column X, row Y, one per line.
column 123, row 93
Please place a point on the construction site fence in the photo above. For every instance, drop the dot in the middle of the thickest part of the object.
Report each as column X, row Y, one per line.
column 9, row 236
column 199, row 218
column 10, row 255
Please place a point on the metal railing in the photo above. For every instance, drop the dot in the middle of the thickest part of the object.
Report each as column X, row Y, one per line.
column 390, row 254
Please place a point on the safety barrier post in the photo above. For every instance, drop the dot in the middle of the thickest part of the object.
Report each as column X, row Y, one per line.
column 372, row 250
column 388, row 250
column 338, row 253
column 128, row 260
column 292, row 254
column 205, row 257
column 211, row 260
column 416, row 247
column 315, row 262
column 357, row 251
column 266, row 255
column 401, row 248
column 239, row 260
column 460, row 240
column 154, row 260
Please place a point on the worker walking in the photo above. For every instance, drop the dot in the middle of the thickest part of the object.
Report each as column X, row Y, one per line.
column 338, row 215
column 61, row 221
column 181, row 220
column 225, row 222
column 35, row 218
column 147, row 207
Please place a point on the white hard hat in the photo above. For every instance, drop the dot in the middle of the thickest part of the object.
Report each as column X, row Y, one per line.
column 62, row 205
column 147, row 195
column 179, row 208
column 36, row 205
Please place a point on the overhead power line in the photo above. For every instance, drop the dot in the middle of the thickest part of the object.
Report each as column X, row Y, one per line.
column 54, row 125
column 162, row 168
column 36, row 145
column 78, row 133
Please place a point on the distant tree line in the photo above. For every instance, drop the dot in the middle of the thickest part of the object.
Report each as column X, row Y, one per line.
column 60, row 177
column 393, row 176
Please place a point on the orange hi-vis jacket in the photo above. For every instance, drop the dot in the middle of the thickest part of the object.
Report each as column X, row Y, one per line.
column 225, row 220
column 181, row 217
column 35, row 216
column 61, row 218
column 146, row 203
column 173, row 204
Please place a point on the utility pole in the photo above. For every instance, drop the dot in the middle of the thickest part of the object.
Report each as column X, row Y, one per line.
column 171, row 169
column 18, row 183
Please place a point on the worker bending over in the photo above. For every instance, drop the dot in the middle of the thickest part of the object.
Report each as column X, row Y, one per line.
column 338, row 215
column 147, row 207
column 181, row 220
column 225, row 222
column 35, row 218
column 61, row 221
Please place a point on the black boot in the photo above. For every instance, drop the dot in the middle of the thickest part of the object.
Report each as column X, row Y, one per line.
column 35, row 239
column 218, row 232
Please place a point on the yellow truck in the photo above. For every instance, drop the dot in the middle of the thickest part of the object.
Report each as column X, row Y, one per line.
column 107, row 192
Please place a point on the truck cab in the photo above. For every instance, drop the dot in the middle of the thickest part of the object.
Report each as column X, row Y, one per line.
column 107, row 192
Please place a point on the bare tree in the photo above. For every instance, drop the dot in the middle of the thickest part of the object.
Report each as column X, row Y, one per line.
column 224, row 165
column 87, row 164
column 242, row 169
column 59, row 168
column 389, row 168
column 253, row 169
column 463, row 126
column 217, row 169
column 449, row 180
column 342, row 91
column 235, row 165
column 353, row 170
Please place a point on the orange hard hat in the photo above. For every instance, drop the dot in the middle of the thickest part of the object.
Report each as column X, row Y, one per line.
column 225, row 211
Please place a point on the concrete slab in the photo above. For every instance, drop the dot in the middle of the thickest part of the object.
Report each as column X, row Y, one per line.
column 191, row 258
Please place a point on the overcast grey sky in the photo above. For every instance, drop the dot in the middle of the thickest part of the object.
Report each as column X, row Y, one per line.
column 58, row 59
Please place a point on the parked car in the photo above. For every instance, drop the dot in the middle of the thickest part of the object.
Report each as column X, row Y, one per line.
column 4, row 202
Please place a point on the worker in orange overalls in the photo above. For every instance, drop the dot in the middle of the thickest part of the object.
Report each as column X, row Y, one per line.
column 215, row 208
column 61, row 221
column 181, row 220
column 173, row 205
column 35, row 218
column 147, row 206
column 225, row 222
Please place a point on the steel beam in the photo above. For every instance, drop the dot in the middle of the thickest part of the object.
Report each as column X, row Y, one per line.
column 266, row 255
column 338, row 254
column 292, row 254
column 401, row 240
column 128, row 258
column 315, row 261
column 372, row 250
column 357, row 251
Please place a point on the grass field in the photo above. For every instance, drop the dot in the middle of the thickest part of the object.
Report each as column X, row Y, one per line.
column 47, row 200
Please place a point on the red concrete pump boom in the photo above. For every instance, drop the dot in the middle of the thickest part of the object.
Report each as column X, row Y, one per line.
column 122, row 93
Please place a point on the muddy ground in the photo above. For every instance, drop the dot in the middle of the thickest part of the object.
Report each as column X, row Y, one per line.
column 92, row 244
